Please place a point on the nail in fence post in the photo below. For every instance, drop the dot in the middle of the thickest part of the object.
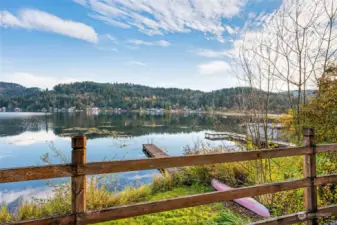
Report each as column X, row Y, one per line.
column 310, row 193
column 78, row 179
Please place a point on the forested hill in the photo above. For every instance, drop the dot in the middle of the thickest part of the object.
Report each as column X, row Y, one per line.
column 125, row 96
column 9, row 90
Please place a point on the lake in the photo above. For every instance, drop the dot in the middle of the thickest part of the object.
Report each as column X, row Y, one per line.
column 26, row 138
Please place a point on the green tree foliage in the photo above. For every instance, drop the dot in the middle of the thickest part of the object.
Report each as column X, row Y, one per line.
column 320, row 113
column 127, row 96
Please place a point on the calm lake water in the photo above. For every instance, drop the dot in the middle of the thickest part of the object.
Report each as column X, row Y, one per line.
column 26, row 137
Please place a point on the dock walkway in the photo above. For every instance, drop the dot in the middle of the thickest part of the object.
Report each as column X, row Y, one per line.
column 152, row 151
column 241, row 138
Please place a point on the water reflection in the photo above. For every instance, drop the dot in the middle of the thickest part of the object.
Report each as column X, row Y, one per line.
column 133, row 123
column 24, row 138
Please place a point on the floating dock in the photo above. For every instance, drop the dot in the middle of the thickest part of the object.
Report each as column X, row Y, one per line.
column 272, row 126
column 242, row 138
column 224, row 136
column 152, row 151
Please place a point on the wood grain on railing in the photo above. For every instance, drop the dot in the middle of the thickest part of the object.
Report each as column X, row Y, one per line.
column 55, row 220
column 190, row 160
column 309, row 167
column 65, row 170
column 78, row 179
column 56, row 171
column 326, row 148
column 34, row 173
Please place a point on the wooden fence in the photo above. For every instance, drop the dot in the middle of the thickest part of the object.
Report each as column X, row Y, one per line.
column 79, row 168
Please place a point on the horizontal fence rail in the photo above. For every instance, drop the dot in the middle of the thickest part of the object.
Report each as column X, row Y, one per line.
column 92, row 168
column 78, row 170
column 35, row 173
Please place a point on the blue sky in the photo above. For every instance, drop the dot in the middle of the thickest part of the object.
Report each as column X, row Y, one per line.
column 165, row 43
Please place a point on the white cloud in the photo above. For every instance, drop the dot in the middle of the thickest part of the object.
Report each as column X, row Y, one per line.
column 161, row 43
column 230, row 30
column 110, row 21
column 107, row 42
column 214, row 67
column 212, row 54
column 81, row 2
column 32, row 80
column 42, row 21
column 108, row 49
column 139, row 177
column 154, row 17
column 251, row 15
column 109, row 37
column 137, row 63
column 7, row 197
column 29, row 138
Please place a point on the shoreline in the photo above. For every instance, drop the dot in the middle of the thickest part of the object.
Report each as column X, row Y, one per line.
column 237, row 114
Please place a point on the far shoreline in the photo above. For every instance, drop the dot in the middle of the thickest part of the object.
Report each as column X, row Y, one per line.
column 221, row 113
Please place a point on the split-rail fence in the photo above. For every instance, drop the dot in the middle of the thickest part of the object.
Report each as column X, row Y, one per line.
column 78, row 169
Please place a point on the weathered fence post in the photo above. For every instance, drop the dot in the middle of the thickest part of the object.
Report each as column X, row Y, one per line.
column 78, row 179
column 310, row 193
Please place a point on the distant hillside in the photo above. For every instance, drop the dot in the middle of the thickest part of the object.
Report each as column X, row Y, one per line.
column 125, row 96
column 10, row 90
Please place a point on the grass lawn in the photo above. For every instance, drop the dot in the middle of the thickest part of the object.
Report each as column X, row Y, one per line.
column 201, row 215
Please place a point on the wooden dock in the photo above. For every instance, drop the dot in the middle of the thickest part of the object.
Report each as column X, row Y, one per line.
column 152, row 151
column 224, row 136
column 242, row 138
column 276, row 126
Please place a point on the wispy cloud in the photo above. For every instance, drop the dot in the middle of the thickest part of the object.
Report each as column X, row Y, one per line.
column 140, row 176
column 154, row 17
column 110, row 21
column 7, row 197
column 107, row 42
column 230, row 30
column 29, row 138
column 212, row 54
column 137, row 63
column 108, row 37
column 108, row 49
column 214, row 67
column 161, row 43
column 43, row 21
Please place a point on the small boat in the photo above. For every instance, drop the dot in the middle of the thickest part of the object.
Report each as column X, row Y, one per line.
column 247, row 202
